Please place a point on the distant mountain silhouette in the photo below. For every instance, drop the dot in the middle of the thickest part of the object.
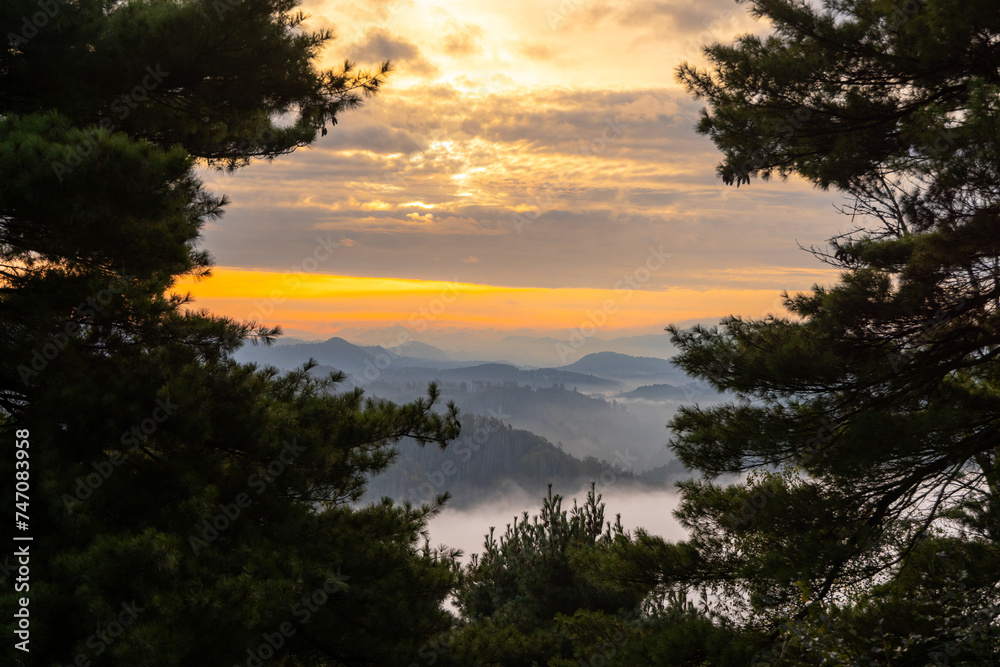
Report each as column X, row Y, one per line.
column 476, row 346
column 335, row 352
column 591, row 406
column 548, row 351
column 493, row 373
column 622, row 366
column 412, row 349
column 287, row 340
column 342, row 355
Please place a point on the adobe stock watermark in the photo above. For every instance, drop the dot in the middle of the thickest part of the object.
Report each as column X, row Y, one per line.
column 389, row 14
column 929, row 330
column 301, row 611
column 615, row 129
column 292, row 279
column 623, row 464
column 602, row 654
column 563, row 10
column 546, row 200
column 463, row 452
column 597, row 318
column 57, row 342
column 543, row 202
column 121, row 106
column 107, row 635
column 752, row 505
column 30, row 25
column 133, row 439
column 786, row 127
column 723, row 26
column 418, row 322
column 769, row 489
column 229, row 513
column 394, row 178
column 607, row 650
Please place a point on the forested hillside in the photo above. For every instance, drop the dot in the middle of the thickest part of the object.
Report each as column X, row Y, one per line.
column 491, row 459
column 582, row 424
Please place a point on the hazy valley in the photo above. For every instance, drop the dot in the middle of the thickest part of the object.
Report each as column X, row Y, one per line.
column 600, row 419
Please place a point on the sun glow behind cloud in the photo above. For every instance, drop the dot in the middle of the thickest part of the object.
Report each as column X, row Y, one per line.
column 544, row 147
column 482, row 46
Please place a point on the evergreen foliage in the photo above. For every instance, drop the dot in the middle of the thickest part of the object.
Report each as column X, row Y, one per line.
column 873, row 407
column 185, row 509
column 541, row 594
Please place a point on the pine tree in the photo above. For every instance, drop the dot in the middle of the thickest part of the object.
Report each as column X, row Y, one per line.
column 185, row 509
column 531, row 597
column 871, row 412
column 550, row 591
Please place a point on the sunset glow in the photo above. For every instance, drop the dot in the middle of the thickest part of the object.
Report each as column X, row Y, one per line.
column 532, row 154
column 324, row 304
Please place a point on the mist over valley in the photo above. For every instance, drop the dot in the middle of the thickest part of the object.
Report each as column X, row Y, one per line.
column 599, row 419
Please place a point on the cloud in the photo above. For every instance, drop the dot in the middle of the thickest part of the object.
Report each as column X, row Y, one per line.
column 378, row 138
column 379, row 44
column 504, row 152
column 683, row 16
column 570, row 187
column 462, row 39
column 537, row 51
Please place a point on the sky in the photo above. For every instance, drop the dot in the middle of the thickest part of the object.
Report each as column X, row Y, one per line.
column 528, row 167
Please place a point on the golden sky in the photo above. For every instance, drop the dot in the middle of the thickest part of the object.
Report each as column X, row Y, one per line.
column 527, row 156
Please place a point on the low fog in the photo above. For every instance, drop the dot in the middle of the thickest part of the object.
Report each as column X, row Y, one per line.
column 466, row 529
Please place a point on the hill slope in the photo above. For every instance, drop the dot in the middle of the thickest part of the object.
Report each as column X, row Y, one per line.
column 490, row 458
column 622, row 366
